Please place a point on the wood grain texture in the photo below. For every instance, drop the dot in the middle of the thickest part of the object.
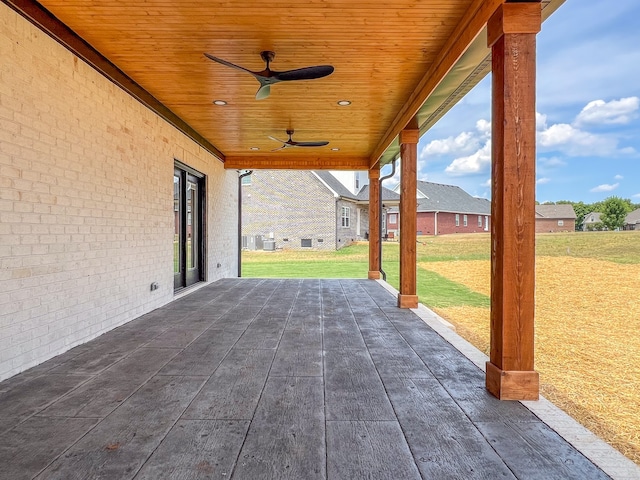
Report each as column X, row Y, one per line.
column 525, row 448
column 29, row 448
column 197, row 449
column 372, row 449
column 352, row 387
column 380, row 52
column 408, row 207
column 105, row 392
column 32, row 396
column 119, row 445
column 374, row 223
column 286, row 438
column 204, row 355
column 513, row 200
column 233, row 391
column 360, row 418
column 453, row 443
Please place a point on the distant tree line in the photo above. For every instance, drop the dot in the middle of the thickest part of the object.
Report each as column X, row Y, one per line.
column 613, row 211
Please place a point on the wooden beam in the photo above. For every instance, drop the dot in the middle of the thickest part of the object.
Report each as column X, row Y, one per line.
column 407, row 297
column 465, row 32
column 374, row 224
column 48, row 23
column 510, row 371
column 275, row 162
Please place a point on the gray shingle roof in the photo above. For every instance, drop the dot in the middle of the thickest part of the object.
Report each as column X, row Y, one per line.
column 450, row 198
column 387, row 195
column 362, row 196
column 633, row 217
column 555, row 211
column 334, row 184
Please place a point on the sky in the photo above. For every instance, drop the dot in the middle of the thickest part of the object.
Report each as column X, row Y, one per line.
column 588, row 112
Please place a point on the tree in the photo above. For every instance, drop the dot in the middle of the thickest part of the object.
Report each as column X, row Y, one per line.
column 614, row 211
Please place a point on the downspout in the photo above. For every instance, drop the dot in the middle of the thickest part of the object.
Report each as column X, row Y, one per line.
column 240, row 177
column 393, row 172
column 435, row 221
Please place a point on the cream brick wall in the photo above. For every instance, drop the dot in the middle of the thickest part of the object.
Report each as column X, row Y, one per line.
column 86, row 201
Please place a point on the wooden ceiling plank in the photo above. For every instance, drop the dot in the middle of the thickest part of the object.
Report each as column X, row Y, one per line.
column 299, row 162
column 467, row 30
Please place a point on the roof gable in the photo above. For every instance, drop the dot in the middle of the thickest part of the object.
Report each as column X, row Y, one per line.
column 555, row 211
column 438, row 197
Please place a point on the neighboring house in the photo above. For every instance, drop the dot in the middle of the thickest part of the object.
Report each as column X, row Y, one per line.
column 555, row 218
column 306, row 209
column 591, row 221
column 632, row 221
column 444, row 209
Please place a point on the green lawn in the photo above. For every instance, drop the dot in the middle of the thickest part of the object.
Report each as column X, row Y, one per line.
column 433, row 289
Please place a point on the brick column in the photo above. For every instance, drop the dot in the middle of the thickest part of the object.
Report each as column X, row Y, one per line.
column 512, row 38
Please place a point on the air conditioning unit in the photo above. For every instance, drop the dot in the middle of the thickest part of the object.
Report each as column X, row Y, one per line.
column 269, row 245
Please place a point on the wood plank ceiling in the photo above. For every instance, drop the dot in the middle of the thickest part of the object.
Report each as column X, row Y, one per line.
column 381, row 52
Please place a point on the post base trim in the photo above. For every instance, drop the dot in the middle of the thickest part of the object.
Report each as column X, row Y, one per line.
column 407, row 301
column 374, row 275
column 512, row 384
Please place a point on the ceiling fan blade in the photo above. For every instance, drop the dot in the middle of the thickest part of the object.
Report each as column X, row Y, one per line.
column 229, row 64
column 308, row 73
column 310, row 144
column 277, row 140
column 284, row 145
column 263, row 92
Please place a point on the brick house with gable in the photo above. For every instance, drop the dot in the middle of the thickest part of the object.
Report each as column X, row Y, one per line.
column 555, row 218
column 444, row 209
column 632, row 221
column 298, row 210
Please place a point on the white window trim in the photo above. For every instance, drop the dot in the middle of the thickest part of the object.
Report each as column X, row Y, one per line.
column 464, row 220
column 346, row 217
column 457, row 219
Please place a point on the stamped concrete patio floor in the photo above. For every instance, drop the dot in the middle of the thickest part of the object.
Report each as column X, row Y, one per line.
column 273, row 379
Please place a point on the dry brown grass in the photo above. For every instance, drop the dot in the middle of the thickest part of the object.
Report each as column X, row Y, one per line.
column 587, row 342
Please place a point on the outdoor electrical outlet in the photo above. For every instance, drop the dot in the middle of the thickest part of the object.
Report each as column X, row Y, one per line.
column 154, row 286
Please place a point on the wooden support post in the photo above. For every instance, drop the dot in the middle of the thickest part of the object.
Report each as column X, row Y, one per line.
column 511, row 35
column 407, row 297
column 374, row 224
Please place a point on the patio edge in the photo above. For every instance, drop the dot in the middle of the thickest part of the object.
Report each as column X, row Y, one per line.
column 603, row 455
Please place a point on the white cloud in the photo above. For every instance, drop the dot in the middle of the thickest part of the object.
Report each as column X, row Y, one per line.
column 618, row 177
column 541, row 121
column 484, row 127
column 477, row 162
column 575, row 142
column 486, row 184
column 605, row 187
column 552, row 162
column 637, row 195
column 543, row 180
column 465, row 142
column 615, row 112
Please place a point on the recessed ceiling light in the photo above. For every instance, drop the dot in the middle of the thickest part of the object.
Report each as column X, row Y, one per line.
column 344, row 103
column 219, row 102
column 335, row 149
column 254, row 148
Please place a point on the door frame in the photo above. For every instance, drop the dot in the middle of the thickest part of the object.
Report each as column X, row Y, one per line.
column 185, row 278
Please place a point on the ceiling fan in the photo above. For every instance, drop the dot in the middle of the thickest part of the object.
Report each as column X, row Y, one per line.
column 268, row 77
column 293, row 143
